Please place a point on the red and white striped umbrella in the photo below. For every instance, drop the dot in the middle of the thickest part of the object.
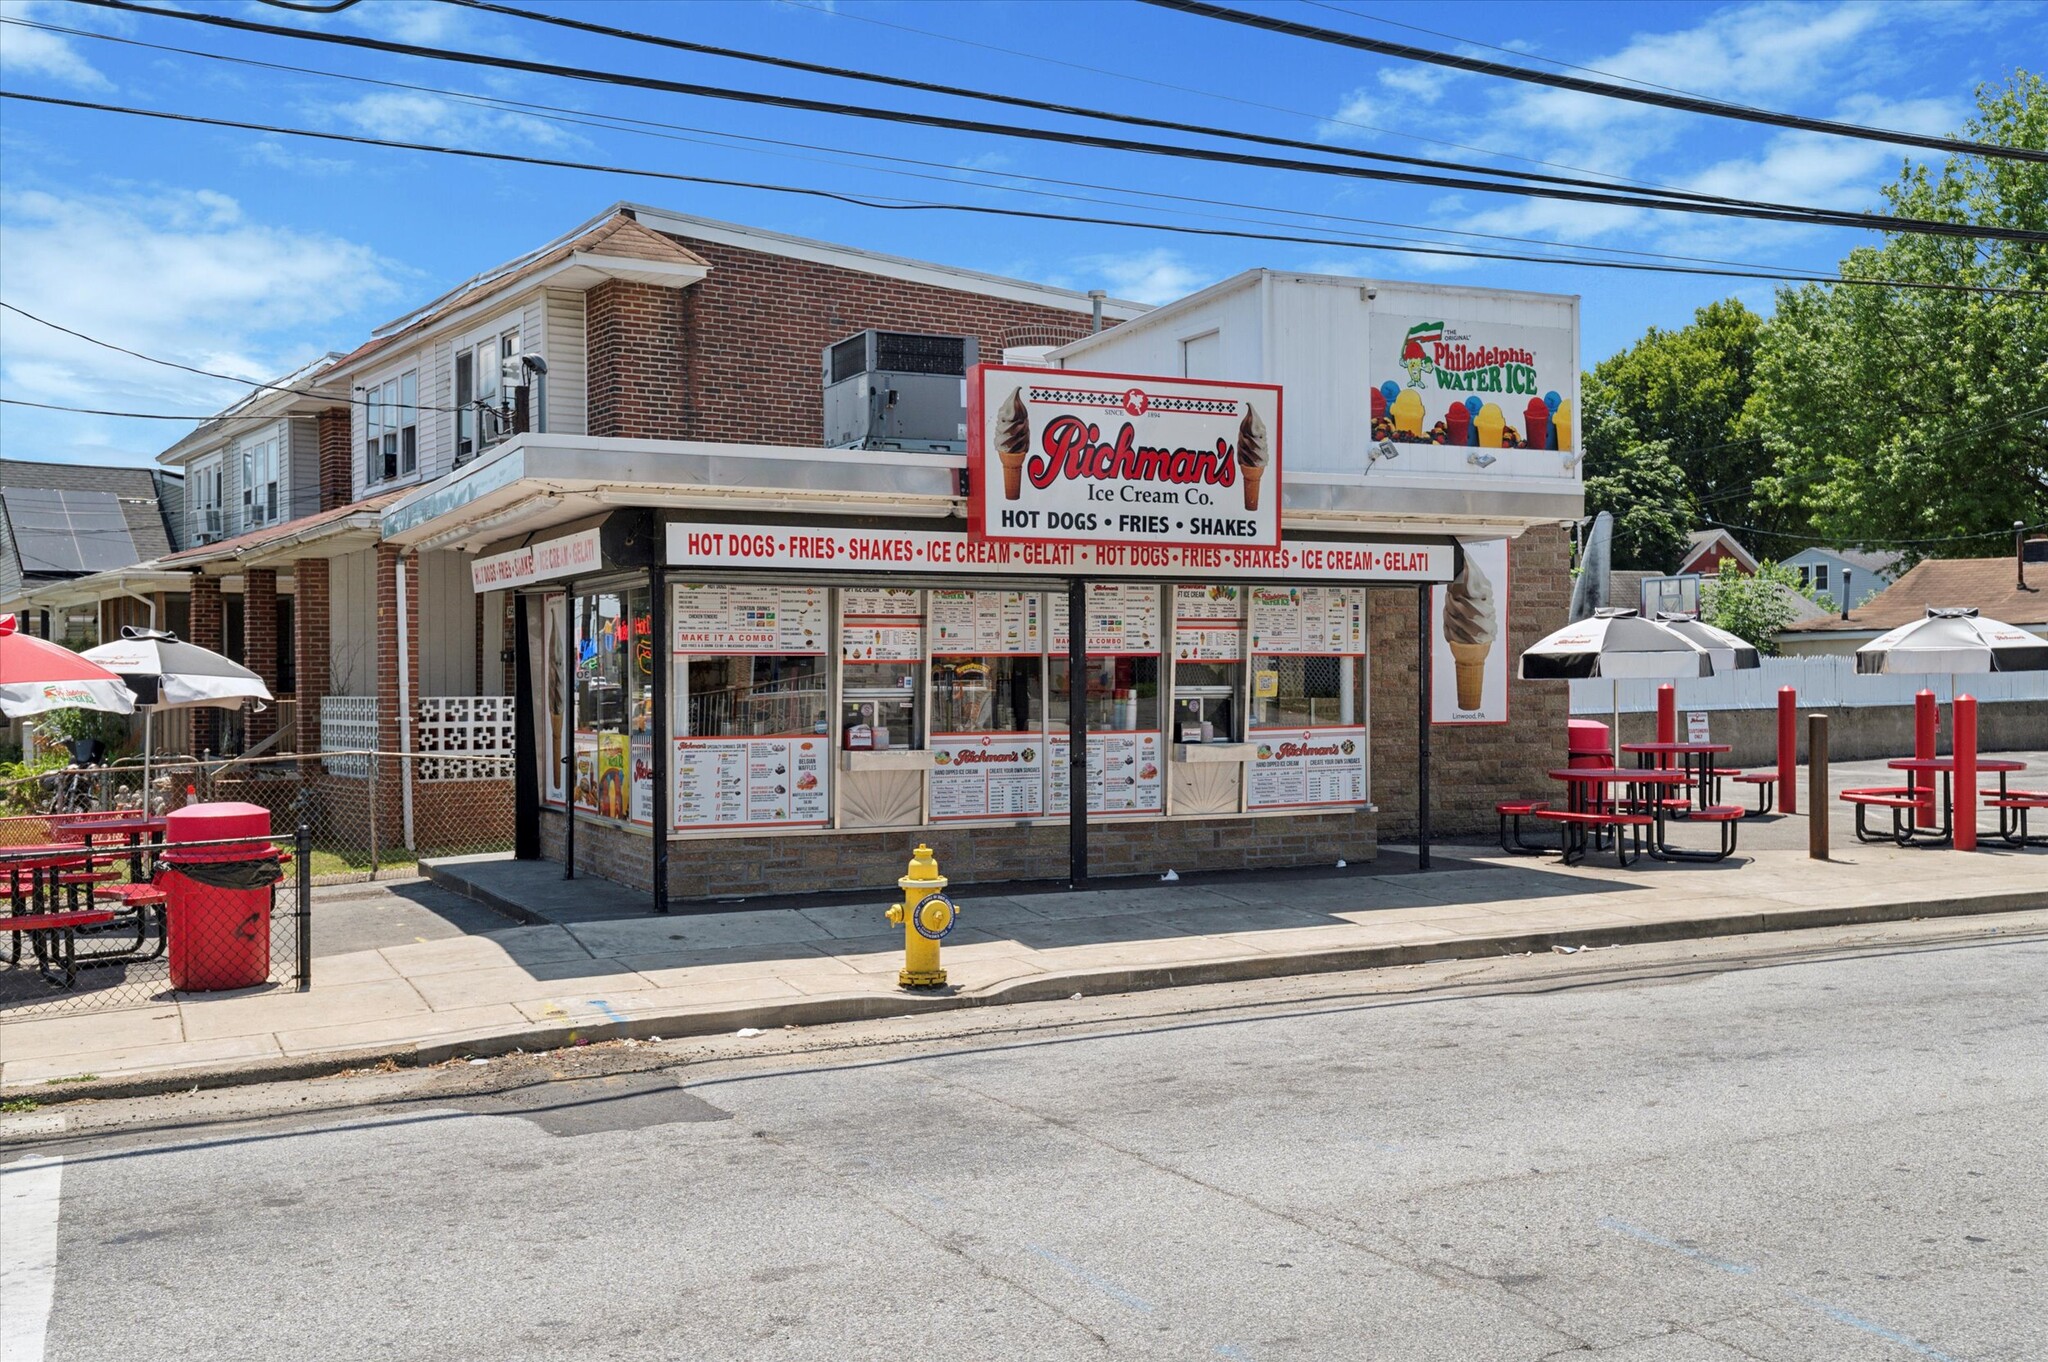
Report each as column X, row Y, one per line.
column 36, row 676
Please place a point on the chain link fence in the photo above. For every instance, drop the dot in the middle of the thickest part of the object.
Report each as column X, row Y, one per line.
column 370, row 815
column 103, row 916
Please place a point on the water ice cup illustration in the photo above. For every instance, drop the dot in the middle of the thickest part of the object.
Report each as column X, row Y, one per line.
column 1013, row 442
column 1252, row 454
column 1470, row 626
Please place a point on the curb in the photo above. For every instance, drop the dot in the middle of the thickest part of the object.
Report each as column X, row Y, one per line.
column 469, row 889
column 827, row 1010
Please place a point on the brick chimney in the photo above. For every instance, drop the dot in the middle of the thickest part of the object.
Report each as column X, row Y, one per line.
column 337, row 443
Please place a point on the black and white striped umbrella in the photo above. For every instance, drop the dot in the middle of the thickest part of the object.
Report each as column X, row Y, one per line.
column 1617, row 644
column 1730, row 652
column 165, row 672
column 1956, row 641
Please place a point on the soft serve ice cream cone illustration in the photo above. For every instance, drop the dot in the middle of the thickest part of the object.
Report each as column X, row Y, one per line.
column 1013, row 442
column 1253, row 452
column 1469, row 628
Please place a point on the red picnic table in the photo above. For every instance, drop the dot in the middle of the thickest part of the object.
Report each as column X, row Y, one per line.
column 1642, row 807
column 1908, row 800
column 131, row 824
column 1695, row 758
column 40, row 879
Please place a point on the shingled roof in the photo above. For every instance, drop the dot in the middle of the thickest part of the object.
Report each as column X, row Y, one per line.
column 1990, row 584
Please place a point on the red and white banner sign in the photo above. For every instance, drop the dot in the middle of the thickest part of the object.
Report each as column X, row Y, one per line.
column 568, row 556
column 695, row 544
column 1069, row 457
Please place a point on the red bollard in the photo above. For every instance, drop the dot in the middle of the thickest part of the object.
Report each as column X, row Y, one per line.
column 1963, row 743
column 1667, row 713
column 1788, row 749
column 1926, row 723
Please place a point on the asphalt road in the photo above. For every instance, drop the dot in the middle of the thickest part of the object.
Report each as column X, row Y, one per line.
column 1783, row 1148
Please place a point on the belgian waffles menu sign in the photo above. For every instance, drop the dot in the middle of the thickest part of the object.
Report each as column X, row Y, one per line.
column 1064, row 456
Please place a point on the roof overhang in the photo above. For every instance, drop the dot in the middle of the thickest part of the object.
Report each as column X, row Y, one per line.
column 141, row 579
column 538, row 482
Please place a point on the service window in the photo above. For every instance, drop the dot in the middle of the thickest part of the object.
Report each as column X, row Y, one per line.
column 881, row 651
column 1120, row 695
column 1307, row 697
column 988, row 704
column 1208, row 664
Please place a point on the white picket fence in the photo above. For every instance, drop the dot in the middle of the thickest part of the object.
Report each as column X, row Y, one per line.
column 1828, row 682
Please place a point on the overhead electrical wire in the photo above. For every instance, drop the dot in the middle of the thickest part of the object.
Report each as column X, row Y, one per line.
column 1826, row 541
column 1273, row 23
column 1759, row 211
column 127, row 415
column 886, row 203
column 951, row 174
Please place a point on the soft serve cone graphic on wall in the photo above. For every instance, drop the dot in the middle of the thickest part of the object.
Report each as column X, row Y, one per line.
column 1470, row 626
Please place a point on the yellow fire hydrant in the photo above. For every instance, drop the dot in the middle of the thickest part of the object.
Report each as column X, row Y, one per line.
column 927, row 916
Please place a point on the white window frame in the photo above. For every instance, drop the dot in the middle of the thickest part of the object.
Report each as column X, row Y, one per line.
column 208, row 483
column 264, row 497
column 486, row 348
column 391, row 428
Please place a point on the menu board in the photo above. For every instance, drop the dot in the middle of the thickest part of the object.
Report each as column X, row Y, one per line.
column 585, row 782
column 1208, row 623
column 874, row 641
column 1197, row 603
column 1120, row 619
column 1124, row 773
column 752, row 782
column 1316, row 620
column 1302, row 768
column 988, row 775
column 640, row 791
column 987, row 623
column 749, row 619
column 886, row 601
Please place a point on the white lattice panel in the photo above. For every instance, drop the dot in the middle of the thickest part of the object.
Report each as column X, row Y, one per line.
column 348, row 723
column 464, row 737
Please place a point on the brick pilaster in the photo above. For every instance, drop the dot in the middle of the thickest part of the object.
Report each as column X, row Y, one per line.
column 209, row 630
column 337, row 451
column 311, row 659
column 259, row 643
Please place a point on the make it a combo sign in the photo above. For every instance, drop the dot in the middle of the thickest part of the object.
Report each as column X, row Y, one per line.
column 1065, row 456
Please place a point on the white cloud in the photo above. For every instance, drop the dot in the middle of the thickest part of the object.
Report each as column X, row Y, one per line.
column 1155, row 276
column 30, row 51
column 412, row 117
column 181, row 274
column 1415, row 84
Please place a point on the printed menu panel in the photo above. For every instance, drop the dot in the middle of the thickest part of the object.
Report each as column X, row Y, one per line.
column 750, row 619
column 1319, row 620
column 874, row 641
column 1296, row 768
column 885, row 601
column 988, row 775
column 1125, row 773
column 752, row 782
column 1208, row 623
column 1120, row 619
column 987, row 623
column 641, row 790
column 585, row 782
column 1215, row 602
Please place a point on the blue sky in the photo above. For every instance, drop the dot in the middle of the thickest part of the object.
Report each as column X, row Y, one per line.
column 252, row 254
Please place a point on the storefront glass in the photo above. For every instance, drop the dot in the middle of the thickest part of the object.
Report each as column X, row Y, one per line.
column 613, row 769
column 881, row 684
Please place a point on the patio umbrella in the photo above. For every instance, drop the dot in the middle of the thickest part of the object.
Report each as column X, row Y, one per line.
column 1955, row 641
column 1615, row 644
column 36, row 676
column 165, row 672
column 1730, row 652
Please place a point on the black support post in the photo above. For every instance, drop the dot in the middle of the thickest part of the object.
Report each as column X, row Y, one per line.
column 526, row 721
column 1077, row 733
column 570, row 633
column 1424, row 655
column 657, row 629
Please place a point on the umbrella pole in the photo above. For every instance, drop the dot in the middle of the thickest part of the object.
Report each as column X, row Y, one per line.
column 148, row 744
column 1614, row 689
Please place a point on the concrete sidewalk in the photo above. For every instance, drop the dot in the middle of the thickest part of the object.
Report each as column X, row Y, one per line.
column 538, row 986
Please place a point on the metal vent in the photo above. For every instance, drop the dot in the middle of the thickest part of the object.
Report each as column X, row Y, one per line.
column 903, row 353
column 849, row 357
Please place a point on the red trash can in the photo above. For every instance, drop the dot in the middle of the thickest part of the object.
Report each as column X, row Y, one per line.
column 1587, row 743
column 219, row 897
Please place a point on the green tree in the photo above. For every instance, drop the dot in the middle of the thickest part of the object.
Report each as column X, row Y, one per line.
column 1754, row 608
column 1897, row 414
column 1665, row 441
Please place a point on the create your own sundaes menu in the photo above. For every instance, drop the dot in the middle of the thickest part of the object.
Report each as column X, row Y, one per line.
column 753, row 782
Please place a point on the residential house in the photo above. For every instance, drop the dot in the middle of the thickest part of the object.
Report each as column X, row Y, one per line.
column 60, row 523
column 2006, row 588
column 1706, row 550
column 1837, row 573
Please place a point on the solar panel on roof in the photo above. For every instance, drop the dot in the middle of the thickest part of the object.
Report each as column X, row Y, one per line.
column 68, row 531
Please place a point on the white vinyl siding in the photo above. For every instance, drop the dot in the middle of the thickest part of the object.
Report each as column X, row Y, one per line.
column 302, row 468
column 206, row 500
column 447, row 651
column 563, row 343
column 352, row 623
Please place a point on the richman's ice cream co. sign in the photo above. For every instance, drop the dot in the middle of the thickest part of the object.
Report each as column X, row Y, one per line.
column 1441, row 381
column 1063, row 456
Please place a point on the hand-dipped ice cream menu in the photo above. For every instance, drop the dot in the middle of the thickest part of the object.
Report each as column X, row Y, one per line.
column 988, row 775
column 1208, row 623
column 1121, row 619
column 752, row 782
column 1303, row 768
column 1124, row 773
column 1059, row 456
column 881, row 624
column 750, row 619
column 1469, row 662
column 1318, row 620
column 987, row 623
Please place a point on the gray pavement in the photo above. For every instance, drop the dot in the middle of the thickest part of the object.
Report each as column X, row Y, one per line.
column 1816, row 1145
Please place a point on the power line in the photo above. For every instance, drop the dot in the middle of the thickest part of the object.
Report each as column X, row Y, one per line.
column 824, row 7
column 1878, row 543
column 1019, row 101
column 888, row 204
column 126, row 415
column 1661, row 99
column 1761, row 211
column 645, row 127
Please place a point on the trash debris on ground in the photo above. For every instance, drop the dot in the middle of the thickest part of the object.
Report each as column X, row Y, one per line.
column 1567, row 950
column 1169, row 877
column 748, row 1032
column 1075, row 998
column 479, row 1061
column 1341, row 863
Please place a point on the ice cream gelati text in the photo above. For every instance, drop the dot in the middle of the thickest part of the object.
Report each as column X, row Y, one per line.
column 1072, row 448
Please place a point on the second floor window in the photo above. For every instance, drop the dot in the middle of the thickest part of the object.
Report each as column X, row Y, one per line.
column 260, row 502
column 206, row 502
column 480, row 419
column 391, row 440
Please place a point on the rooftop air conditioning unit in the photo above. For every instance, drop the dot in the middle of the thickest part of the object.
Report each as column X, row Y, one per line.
column 898, row 390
